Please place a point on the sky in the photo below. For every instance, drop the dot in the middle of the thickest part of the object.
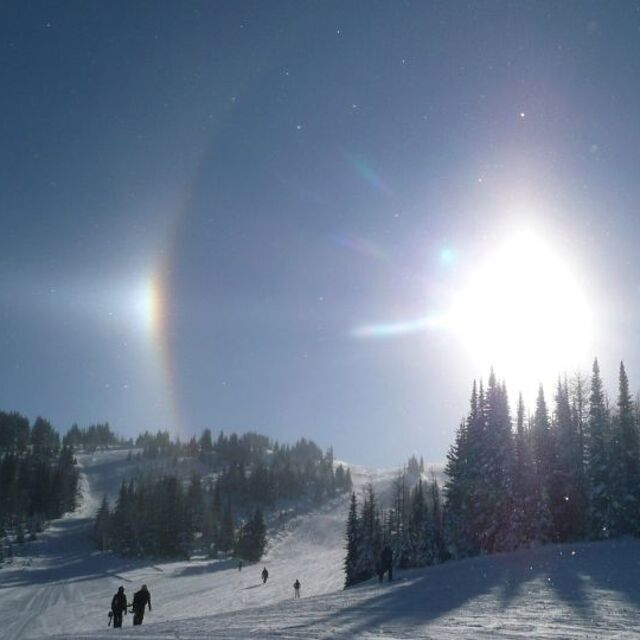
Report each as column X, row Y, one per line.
column 313, row 218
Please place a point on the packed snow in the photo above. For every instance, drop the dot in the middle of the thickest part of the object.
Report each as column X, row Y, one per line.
column 59, row 586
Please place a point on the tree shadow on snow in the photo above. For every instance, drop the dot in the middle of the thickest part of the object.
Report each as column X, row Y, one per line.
column 562, row 574
column 210, row 567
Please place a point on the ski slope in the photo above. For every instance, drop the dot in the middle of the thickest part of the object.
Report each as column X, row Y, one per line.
column 59, row 584
column 61, row 587
column 583, row 591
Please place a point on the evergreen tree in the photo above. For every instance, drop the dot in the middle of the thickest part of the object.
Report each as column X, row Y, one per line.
column 195, row 503
column 624, row 468
column 524, row 503
column 101, row 530
column 496, row 534
column 462, row 469
column 370, row 537
column 597, row 458
column 566, row 499
column 351, row 562
column 252, row 538
column 226, row 536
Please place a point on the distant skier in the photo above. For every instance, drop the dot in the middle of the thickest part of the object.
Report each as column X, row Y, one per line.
column 239, row 565
column 118, row 607
column 296, row 589
column 141, row 599
column 386, row 563
column 265, row 575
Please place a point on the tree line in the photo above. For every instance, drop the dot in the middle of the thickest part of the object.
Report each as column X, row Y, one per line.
column 412, row 527
column 93, row 437
column 563, row 474
column 38, row 477
column 166, row 515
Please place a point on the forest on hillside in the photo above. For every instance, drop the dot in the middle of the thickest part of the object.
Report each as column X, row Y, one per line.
column 38, row 478
column 210, row 496
column 567, row 473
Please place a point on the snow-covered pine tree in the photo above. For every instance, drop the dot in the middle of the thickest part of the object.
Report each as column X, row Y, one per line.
column 543, row 448
column 370, row 536
column 566, row 502
column 417, row 526
column 195, row 503
column 435, row 548
column 461, row 468
column 400, row 516
column 252, row 538
column 226, row 536
column 101, row 530
column 352, row 546
column 599, row 485
column 624, row 461
column 491, row 479
column 521, row 481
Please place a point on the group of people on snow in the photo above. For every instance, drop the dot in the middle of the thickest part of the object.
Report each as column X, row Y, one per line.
column 296, row 584
column 119, row 606
column 142, row 600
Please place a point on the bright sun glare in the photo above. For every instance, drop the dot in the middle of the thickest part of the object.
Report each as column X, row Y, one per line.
column 524, row 312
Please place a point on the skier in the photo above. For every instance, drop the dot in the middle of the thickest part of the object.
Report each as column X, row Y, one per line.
column 118, row 607
column 386, row 563
column 265, row 575
column 141, row 599
column 296, row 589
column 239, row 565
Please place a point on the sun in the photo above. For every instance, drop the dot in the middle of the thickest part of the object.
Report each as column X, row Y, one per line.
column 525, row 312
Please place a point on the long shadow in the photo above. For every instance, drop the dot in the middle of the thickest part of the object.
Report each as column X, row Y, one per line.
column 210, row 567
column 70, row 557
column 566, row 570
column 612, row 566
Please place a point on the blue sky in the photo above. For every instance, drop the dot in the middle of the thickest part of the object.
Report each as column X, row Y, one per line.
column 291, row 172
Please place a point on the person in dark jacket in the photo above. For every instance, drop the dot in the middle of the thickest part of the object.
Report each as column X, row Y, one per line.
column 119, row 607
column 386, row 563
column 296, row 589
column 265, row 575
column 141, row 599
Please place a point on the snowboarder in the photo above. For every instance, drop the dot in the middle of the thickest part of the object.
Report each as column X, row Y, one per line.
column 141, row 599
column 386, row 563
column 265, row 575
column 296, row 589
column 118, row 607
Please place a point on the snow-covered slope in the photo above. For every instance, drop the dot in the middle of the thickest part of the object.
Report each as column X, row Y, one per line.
column 59, row 584
column 570, row 591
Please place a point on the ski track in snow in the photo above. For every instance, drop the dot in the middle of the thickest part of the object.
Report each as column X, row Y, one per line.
column 61, row 587
column 59, row 584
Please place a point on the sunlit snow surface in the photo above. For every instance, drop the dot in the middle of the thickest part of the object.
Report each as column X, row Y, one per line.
column 568, row 591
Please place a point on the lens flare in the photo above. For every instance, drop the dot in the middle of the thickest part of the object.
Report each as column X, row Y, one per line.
column 368, row 174
column 447, row 256
column 398, row 328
